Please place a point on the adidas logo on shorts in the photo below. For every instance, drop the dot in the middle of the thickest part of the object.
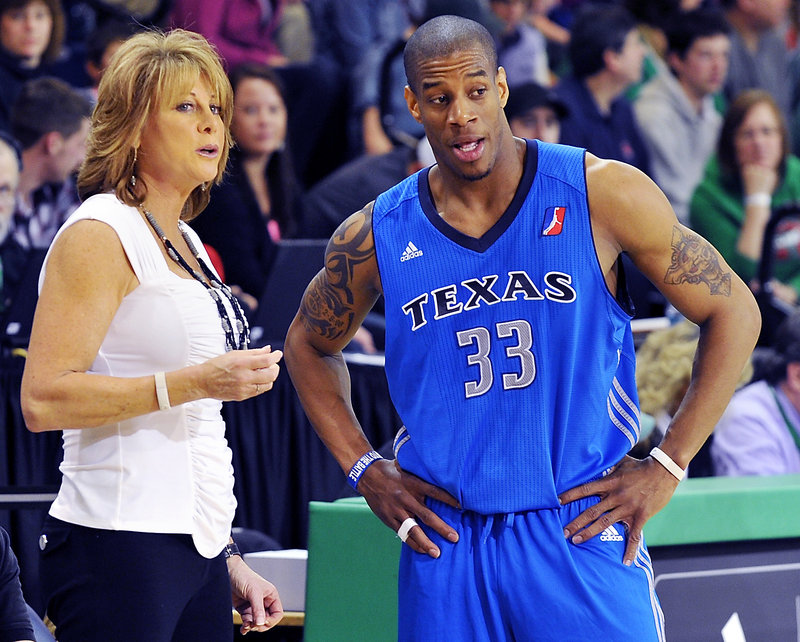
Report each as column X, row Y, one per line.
column 411, row 252
column 611, row 534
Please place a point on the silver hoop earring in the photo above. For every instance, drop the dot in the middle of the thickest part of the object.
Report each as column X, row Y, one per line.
column 203, row 187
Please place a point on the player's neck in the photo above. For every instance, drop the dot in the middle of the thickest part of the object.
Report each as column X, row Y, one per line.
column 474, row 206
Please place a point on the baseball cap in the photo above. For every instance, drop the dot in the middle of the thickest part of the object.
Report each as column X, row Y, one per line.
column 523, row 98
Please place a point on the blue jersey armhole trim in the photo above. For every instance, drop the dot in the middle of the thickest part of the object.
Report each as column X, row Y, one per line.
column 622, row 299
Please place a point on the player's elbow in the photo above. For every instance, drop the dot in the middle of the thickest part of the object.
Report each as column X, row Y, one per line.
column 745, row 316
column 752, row 320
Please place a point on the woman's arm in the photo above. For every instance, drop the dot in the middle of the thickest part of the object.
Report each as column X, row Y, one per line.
column 87, row 277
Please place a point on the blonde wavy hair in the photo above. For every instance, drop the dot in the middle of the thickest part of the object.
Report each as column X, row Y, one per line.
column 149, row 69
column 664, row 367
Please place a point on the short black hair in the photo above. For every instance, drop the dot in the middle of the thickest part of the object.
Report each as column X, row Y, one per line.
column 443, row 36
column 596, row 29
column 683, row 29
column 45, row 105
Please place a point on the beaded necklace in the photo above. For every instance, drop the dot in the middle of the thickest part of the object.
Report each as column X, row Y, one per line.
column 213, row 286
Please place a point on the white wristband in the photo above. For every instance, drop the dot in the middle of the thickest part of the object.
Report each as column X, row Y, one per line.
column 161, row 391
column 759, row 199
column 667, row 462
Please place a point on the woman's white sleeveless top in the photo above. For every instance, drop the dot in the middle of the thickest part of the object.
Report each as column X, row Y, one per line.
column 167, row 471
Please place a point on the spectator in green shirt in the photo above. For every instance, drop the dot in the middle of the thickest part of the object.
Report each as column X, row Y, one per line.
column 752, row 173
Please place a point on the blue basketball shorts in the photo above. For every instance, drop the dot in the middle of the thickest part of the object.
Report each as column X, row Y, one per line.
column 515, row 577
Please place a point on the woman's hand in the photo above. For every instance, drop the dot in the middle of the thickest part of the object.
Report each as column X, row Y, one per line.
column 758, row 179
column 239, row 374
column 256, row 599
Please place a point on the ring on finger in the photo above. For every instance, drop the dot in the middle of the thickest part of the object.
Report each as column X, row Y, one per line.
column 258, row 388
column 405, row 527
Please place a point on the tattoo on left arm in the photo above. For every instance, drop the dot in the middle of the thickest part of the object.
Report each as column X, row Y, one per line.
column 695, row 261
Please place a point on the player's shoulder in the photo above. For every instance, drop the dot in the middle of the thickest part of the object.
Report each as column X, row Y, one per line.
column 613, row 185
column 601, row 170
column 351, row 249
column 357, row 225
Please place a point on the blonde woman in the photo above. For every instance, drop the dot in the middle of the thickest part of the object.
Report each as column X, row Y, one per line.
column 135, row 344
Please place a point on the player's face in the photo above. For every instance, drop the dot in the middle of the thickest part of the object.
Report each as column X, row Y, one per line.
column 758, row 139
column 460, row 104
column 259, row 117
column 703, row 69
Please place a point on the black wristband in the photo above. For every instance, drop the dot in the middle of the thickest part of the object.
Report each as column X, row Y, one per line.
column 230, row 550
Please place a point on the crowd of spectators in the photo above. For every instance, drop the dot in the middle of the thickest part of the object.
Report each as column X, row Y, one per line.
column 701, row 95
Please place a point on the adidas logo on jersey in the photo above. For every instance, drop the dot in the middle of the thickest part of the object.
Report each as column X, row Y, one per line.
column 411, row 252
column 611, row 534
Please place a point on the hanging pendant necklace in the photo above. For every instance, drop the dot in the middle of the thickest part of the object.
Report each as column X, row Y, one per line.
column 216, row 288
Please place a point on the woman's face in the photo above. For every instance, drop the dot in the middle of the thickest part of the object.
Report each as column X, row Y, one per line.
column 259, row 117
column 25, row 32
column 758, row 140
column 182, row 143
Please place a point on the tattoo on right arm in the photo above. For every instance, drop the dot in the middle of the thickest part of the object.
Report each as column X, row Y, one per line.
column 327, row 307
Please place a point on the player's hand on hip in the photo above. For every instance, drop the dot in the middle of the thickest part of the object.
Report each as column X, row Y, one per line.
column 396, row 496
column 631, row 494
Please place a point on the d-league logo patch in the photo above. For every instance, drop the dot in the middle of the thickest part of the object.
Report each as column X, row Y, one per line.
column 553, row 220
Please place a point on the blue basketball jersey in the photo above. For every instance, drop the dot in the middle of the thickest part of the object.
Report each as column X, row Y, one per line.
column 509, row 361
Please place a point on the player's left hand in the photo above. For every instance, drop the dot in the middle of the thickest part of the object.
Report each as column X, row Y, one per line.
column 256, row 599
column 631, row 494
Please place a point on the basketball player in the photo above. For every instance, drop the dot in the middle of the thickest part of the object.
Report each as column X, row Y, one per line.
column 510, row 359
